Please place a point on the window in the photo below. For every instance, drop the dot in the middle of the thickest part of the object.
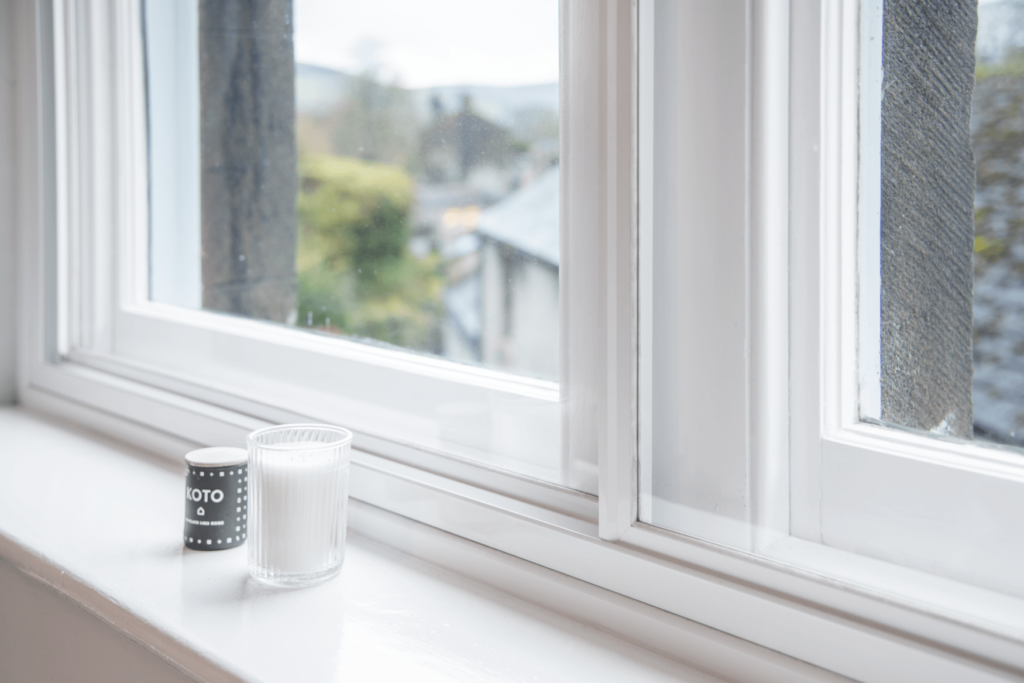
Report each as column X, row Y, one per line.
column 804, row 529
column 915, row 277
column 427, row 214
column 416, row 131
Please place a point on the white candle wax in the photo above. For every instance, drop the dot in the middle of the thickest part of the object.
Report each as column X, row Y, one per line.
column 297, row 503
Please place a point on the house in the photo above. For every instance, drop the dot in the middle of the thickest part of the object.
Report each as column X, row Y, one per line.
column 456, row 147
column 504, row 312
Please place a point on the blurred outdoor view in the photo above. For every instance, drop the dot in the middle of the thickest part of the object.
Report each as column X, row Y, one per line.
column 427, row 145
column 384, row 171
column 997, row 130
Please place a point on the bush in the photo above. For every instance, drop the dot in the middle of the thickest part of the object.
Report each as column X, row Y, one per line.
column 353, row 262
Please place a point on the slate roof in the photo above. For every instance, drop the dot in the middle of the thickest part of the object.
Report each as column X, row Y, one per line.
column 528, row 219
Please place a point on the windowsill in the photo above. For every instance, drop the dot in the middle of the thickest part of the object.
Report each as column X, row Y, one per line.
column 100, row 523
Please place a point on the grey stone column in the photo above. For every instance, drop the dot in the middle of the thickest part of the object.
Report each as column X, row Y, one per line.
column 927, row 234
column 249, row 175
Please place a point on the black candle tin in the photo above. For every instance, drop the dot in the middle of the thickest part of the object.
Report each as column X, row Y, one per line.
column 216, row 498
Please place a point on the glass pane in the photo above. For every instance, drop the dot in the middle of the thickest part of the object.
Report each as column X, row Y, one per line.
column 386, row 171
column 946, row 317
column 997, row 137
column 693, row 287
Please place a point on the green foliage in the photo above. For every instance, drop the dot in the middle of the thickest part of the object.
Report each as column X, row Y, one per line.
column 354, row 266
column 989, row 247
column 1011, row 65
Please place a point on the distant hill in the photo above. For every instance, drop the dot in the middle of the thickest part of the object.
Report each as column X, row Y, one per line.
column 319, row 89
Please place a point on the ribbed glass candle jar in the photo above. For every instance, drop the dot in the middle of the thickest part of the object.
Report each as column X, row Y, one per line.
column 298, row 499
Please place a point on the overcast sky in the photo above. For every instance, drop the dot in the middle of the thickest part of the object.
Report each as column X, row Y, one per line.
column 441, row 42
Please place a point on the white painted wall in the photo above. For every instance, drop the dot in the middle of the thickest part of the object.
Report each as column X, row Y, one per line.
column 45, row 637
column 493, row 297
column 535, row 318
column 530, row 287
column 7, row 209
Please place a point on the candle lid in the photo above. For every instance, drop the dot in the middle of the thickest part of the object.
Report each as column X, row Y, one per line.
column 217, row 456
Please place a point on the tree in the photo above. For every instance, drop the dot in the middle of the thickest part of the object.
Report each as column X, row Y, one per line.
column 375, row 122
column 356, row 274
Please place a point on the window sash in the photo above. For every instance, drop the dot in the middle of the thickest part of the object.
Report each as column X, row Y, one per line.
column 884, row 493
column 802, row 598
column 731, row 328
column 132, row 335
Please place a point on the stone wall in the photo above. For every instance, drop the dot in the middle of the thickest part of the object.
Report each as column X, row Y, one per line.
column 249, row 175
column 927, row 236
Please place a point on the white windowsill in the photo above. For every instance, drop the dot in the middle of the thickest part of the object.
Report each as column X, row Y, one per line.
column 101, row 522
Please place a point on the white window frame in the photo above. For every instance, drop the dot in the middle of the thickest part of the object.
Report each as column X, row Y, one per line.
column 887, row 493
column 809, row 585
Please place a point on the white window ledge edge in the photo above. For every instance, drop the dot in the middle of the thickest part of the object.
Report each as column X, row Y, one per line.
column 691, row 644
column 687, row 642
column 175, row 652
column 755, row 625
